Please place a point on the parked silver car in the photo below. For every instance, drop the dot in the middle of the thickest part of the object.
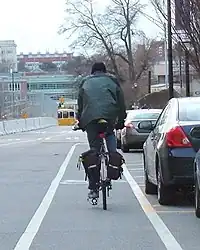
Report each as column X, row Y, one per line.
column 118, row 132
column 133, row 137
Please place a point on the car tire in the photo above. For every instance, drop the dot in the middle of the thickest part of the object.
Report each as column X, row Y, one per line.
column 165, row 193
column 197, row 199
column 118, row 144
column 150, row 188
column 124, row 148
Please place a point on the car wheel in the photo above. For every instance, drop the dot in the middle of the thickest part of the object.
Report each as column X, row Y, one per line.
column 118, row 144
column 150, row 188
column 197, row 199
column 165, row 194
column 124, row 147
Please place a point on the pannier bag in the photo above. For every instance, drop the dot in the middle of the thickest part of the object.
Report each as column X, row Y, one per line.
column 91, row 163
column 115, row 162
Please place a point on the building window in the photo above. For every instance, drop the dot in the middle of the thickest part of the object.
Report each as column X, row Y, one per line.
column 160, row 50
column 43, row 86
column 65, row 114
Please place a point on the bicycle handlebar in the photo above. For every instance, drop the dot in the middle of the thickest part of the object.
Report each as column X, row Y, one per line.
column 76, row 127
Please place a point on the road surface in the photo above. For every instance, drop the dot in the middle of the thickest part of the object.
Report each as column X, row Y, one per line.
column 44, row 205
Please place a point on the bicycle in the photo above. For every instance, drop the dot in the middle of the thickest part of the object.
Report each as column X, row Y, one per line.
column 104, row 184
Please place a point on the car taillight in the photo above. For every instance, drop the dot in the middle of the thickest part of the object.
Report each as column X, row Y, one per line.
column 176, row 138
column 129, row 125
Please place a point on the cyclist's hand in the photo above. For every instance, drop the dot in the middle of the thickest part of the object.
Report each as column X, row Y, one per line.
column 77, row 127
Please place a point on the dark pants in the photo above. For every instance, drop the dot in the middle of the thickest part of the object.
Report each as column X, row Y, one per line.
column 94, row 141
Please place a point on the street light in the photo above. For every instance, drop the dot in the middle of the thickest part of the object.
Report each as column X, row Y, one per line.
column 13, row 88
column 187, row 69
column 170, row 59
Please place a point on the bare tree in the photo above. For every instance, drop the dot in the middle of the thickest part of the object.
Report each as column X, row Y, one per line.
column 111, row 31
column 186, row 26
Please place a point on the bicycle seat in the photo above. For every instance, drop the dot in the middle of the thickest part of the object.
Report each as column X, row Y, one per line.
column 102, row 121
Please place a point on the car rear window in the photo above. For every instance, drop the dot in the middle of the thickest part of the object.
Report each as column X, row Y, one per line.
column 189, row 111
column 143, row 115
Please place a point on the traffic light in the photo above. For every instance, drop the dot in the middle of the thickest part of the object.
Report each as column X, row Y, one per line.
column 61, row 102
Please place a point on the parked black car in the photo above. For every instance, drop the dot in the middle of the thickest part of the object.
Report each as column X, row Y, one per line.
column 170, row 148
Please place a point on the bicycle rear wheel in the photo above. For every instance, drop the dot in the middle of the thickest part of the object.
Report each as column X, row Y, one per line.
column 104, row 196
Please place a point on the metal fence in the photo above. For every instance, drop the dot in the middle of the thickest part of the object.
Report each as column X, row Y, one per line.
column 36, row 105
column 10, row 105
column 40, row 104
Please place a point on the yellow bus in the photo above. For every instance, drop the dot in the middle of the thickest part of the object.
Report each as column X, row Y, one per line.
column 66, row 117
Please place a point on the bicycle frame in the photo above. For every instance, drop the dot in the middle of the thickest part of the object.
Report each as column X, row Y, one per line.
column 104, row 184
column 103, row 156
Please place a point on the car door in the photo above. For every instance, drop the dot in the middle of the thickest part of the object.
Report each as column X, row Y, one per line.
column 152, row 142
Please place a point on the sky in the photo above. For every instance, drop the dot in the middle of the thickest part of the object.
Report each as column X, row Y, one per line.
column 34, row 24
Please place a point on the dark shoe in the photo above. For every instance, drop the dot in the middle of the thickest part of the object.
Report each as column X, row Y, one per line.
column 93, row 194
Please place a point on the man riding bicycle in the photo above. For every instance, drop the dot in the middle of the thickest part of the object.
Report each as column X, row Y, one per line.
column 100, row 97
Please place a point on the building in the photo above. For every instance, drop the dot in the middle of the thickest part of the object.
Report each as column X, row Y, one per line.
column 160, row 65
column 33, row 61
column 54, row 86
column 13, row 94
column 8, row 56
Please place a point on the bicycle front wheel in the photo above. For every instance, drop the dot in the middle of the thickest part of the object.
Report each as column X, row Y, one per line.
column 104, row 197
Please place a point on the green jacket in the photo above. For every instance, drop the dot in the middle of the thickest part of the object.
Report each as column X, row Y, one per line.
column 100, row 96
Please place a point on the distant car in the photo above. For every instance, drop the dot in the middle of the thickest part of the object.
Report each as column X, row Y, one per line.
column 170, row 149
column 133, row 137
column 118, row 133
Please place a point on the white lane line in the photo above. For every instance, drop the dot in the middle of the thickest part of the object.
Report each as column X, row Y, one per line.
column 13, row 143
column 135, row 164
column 34, row 224
column 135, row 169
column 82, row 182
column 19, row 142
column 48, row 138
column 138, row 176
column 162, row 230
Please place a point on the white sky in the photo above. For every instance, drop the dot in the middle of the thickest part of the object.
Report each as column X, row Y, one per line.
column 34, row 24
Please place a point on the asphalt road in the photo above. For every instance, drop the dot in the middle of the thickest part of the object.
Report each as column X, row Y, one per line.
column 44, row 201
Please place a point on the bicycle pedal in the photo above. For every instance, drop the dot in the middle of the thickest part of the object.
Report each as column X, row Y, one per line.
column 93, row 201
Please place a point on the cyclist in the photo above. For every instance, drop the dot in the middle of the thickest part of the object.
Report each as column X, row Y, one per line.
column 100, row 97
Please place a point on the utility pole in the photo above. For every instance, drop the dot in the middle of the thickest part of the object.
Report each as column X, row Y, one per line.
column 166, row 57
column 187, row 73
column 170, row 58
column 13, row 91
column 149, row 82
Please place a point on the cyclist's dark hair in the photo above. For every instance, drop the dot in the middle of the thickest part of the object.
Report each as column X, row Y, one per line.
column 98, row 67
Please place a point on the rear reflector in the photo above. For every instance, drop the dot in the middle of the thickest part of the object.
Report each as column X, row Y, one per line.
column 176, row 138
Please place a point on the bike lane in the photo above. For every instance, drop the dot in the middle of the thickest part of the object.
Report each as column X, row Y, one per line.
column 72, row 223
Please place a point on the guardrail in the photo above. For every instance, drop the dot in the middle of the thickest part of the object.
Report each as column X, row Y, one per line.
column 23, row 125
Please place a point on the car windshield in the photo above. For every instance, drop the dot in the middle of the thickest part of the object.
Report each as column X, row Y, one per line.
column 189, row 111
column 143, row 115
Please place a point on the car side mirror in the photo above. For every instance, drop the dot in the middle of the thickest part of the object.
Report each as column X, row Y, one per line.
column 146, row 125
column 195, row 132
